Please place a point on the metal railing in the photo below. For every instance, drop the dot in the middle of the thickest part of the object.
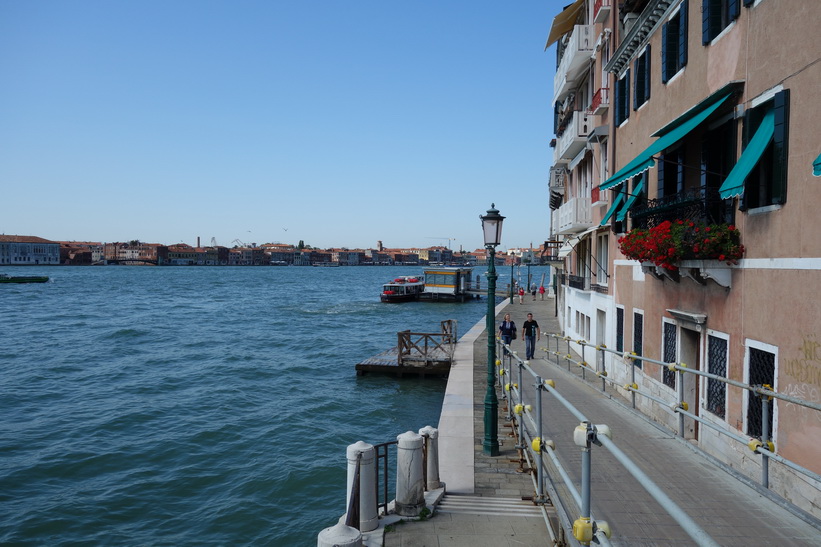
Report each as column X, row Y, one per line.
column 528, row 423
column 762, row 446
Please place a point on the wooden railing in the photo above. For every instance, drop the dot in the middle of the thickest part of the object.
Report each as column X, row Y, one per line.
column 427, row 347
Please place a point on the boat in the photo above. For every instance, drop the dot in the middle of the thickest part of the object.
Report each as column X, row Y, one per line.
column 5, row 278
column 403, row 289
column 448, row 284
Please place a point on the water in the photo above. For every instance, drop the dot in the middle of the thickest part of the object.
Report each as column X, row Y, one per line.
column 194, row 406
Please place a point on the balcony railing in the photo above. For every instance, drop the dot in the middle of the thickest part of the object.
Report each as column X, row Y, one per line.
column 574, row 60
column 696, row 204
column 574, row 137
column 600, row 102
column 601, row 11
column 573, row 216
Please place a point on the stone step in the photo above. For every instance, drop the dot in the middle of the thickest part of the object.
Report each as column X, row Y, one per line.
column 482, row 505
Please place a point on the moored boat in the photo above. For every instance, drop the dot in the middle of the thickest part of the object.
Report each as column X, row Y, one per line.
column 403, row 289
column 5, row 278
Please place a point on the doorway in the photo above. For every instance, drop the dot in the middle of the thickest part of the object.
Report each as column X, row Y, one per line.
column 689, row 354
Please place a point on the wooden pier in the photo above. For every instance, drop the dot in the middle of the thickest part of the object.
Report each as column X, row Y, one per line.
column 416, row 353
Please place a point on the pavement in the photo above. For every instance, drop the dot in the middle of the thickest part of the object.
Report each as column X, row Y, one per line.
column 487, row 501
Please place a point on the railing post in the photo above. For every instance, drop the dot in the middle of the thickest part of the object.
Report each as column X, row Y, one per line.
column 584, row 361
column 680, row 386
column 431, row 436
column 765, row 438
column 522, row 415
column 540, row 474
column 633, row 381
column 600, row 353
column 362, row 454
column 410, row 488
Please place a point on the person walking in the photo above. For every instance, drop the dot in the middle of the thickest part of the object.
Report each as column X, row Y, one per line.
column 507, row 330
column 531, row 334
column 533, row 291
column 521, row 295
column 541, row 292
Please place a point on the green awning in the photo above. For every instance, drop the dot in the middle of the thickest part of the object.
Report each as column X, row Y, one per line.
column 644, row 161
column 816, row 167
column 631, row 200
column 733, row 185
column 619, row 198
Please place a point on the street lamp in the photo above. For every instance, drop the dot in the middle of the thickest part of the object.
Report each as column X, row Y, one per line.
column 492, row 228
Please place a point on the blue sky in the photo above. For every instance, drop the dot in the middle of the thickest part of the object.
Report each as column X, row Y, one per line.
column 334, row 122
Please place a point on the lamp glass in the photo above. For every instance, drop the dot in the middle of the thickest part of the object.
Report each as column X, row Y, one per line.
column 492, row 227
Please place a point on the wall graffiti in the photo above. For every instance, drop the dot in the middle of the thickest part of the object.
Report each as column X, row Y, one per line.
column 805, row 371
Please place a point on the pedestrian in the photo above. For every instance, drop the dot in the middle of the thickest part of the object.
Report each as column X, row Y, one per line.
column 521, row 295
column 531, row 334
column 533, row 291
column 507, row 331
column 541, row 292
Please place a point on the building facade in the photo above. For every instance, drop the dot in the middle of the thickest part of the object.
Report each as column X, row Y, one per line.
column 705, row 154
column 28, row 251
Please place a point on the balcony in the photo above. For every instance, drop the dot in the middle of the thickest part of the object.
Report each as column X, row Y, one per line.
column 572, row 217
column 575, row 59
column 557, row 174
column 696, row 204
column 600, row 102
column 574, row 136
column 601, row 11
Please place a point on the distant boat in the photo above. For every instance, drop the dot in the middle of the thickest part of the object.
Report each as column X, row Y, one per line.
column 5, row 278
column 403, row 289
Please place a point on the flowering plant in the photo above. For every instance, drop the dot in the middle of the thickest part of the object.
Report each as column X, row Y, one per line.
column 671, row 242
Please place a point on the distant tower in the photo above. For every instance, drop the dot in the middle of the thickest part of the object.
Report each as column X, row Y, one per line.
column 379, row 246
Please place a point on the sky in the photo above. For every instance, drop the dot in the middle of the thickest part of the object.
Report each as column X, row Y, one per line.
column 336, row 123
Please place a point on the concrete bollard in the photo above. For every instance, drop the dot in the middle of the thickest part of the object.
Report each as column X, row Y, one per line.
column 410, row 487
column 339, row 536
column 368, row 517
column 431, row 435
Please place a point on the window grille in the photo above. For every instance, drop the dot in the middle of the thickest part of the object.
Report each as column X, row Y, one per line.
column 668, row 376
column 762, row 371
column 716, row 364
column 638, row 336
column 620, row 329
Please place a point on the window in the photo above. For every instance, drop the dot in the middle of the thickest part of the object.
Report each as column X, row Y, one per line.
column 674, row 43
column 767, row 182
column 718, row 156
column 602, row 258
column 761, row 369
column 638, row 336
column 669, row 344
column 620, row 329
column 716, row 15
column 671, row 173
column 717, row 364
column 622, row 98
column 641, row 74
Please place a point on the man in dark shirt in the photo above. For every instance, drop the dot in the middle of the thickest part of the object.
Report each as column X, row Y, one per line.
column 530, row 331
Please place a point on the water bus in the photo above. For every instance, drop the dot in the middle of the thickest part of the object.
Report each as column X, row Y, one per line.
column 403, row 289
column 438, row 284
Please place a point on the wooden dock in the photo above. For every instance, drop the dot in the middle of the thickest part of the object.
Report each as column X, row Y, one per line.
column 416, row 353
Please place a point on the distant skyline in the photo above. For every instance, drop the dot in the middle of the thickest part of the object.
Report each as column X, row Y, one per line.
column 335, row 123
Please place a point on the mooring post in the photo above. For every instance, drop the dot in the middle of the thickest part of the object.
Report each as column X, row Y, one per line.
column 410, row 486
column 431, row 436
column 365, row 454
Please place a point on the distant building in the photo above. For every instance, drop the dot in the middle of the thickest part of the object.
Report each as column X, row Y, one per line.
column 28, row 251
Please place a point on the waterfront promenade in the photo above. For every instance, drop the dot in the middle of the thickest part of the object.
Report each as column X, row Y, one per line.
column 483, row 503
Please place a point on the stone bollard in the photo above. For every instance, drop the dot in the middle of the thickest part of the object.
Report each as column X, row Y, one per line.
column 339, row 536
column 368, row 517
column 431, row 436
column 410, row 487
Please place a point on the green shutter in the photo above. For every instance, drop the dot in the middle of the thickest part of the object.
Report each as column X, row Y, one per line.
column 665, row 51
column 682, row 33
column 781, row 109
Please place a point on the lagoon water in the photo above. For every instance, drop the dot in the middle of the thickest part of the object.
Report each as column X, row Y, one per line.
column 197, row 406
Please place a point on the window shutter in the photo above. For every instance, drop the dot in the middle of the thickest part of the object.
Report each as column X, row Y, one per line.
column 636, row 84
column 556, row 117
column 617, row 101
column 647, row 56
column 734, row 9
column 746, row 135
column 680, row 170
column 665, row 51
column 662, row 161
column 705, row 22
column 781, row 110
column 682, row 33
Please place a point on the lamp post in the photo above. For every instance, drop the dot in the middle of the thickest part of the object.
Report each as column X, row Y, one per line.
column 492, row 228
